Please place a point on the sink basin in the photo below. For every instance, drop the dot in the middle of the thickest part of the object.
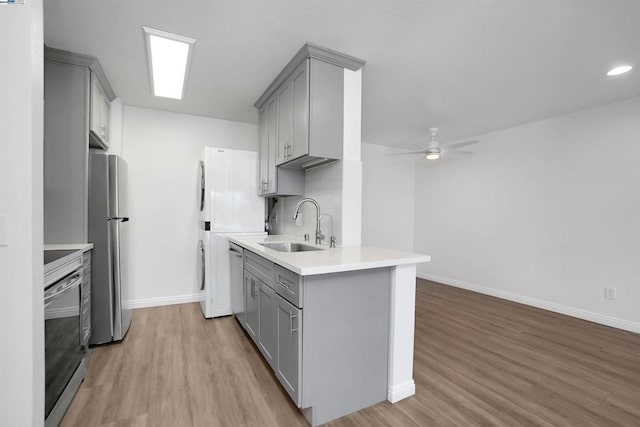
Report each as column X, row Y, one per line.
column 290, row 247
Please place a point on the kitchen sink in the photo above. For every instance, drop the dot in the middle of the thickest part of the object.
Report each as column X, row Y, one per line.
column 290, row 247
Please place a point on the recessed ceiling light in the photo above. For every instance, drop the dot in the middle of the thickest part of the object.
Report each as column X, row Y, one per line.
column 619, row 70
column 169, row 56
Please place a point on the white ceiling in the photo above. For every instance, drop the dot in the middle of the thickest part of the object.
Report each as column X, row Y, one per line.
column 467, row 66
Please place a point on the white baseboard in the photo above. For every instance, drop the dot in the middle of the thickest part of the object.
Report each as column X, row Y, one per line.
column 538, row 303
column 401, row 391
column 160, row 301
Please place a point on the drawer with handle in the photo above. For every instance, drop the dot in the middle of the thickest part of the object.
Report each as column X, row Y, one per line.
column 258, row 266
column 288, row 285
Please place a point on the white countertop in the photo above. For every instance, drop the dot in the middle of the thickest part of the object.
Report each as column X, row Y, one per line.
column 328, row 260
column 84, row 247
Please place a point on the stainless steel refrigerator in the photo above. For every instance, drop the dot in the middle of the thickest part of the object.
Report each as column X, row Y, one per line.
column 108, row 226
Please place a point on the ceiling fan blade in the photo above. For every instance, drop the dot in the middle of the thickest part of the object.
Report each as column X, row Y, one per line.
column 457, row 145
column 456, row 154
column 409, row 152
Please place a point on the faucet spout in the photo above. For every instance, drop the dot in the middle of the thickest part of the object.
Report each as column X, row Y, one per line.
column 319, row 236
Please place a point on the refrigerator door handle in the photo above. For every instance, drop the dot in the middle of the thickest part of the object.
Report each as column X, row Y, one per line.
column 119, row 218
column 114, row 232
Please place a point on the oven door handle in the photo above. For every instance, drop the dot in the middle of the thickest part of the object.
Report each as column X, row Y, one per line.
column 72, row 282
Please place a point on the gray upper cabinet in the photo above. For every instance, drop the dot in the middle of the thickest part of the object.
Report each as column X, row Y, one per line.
column 285, row 123
column 263, row 120
column 300, row 113
column 273, row 180
column 266, row 117
column 317, row 114
column 99, row 117
column 309, row 94
column 69, row 83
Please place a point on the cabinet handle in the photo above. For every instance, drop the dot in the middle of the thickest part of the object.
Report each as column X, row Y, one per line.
column 291, row 330
column 253, row 288
column 284, row 285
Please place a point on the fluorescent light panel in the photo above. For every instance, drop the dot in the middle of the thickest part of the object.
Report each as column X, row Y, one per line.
column 169, row 56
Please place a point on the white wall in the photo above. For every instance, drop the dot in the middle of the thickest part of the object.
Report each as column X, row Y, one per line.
column 162, row 150
column 547, row 213
column 21, row 198
column 387, row 197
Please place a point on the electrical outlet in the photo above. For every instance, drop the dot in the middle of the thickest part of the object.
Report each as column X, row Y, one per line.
column 609, row 293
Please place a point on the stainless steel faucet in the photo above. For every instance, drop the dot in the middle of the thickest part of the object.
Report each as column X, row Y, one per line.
column 319, row 236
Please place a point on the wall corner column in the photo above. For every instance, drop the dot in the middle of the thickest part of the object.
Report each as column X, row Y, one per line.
column 401, row 332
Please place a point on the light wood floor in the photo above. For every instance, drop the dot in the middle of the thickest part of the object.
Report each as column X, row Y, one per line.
column 479, row 361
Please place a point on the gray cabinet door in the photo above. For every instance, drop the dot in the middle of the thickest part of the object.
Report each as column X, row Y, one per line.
column 272, row 177
column 285, row 126
column 300, row 87
column 66, row 152
column 236, row 280
column 267, row 330
column 99, row 115
column 251, row 293
column 85, row 310
column 326, row 109
column 263, row 118
column 289, row 349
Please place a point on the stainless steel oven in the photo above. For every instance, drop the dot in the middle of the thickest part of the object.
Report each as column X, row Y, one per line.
column 65, row 352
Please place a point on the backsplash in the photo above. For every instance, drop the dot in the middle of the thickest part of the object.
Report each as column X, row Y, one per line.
column 323, row 184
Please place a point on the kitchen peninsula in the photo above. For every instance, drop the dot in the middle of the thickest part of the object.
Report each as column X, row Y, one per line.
column 335, row 324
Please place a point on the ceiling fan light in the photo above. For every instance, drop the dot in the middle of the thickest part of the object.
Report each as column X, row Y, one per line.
column 433, row 156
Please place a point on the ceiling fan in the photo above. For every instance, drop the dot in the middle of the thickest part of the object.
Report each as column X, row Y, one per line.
column 435, row 149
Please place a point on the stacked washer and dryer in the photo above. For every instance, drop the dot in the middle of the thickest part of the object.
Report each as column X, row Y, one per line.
column 229, row 205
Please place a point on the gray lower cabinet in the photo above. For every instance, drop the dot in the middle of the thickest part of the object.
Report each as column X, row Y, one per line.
column 289, row 352
column 325, row 336
column 85, row 303
column 267, row 340
column 251, row 305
